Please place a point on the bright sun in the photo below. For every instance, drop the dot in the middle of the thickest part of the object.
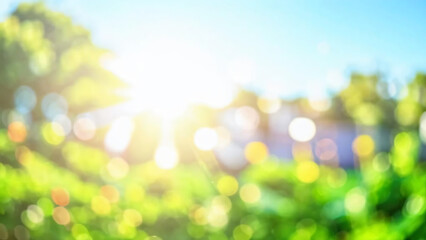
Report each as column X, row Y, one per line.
column 169, row 75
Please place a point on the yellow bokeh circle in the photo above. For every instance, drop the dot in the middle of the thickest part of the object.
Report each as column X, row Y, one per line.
column 227, row 185
column 363, row 146
column 307, row 171
column 250, row 193
column 256, row 152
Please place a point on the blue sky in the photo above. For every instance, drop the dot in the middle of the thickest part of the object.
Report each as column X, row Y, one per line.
column 289, row 47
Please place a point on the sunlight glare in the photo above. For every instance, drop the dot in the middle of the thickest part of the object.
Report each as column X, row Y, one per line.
column 205, row 139
column 166, row 156
column 173, row 74
column 302, row 129
column 119, row 135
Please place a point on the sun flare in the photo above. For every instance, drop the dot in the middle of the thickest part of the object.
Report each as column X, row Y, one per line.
column 170, row 75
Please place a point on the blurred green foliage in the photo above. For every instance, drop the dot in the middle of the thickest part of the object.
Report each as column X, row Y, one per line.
column 46, row 51
column 65, row 189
